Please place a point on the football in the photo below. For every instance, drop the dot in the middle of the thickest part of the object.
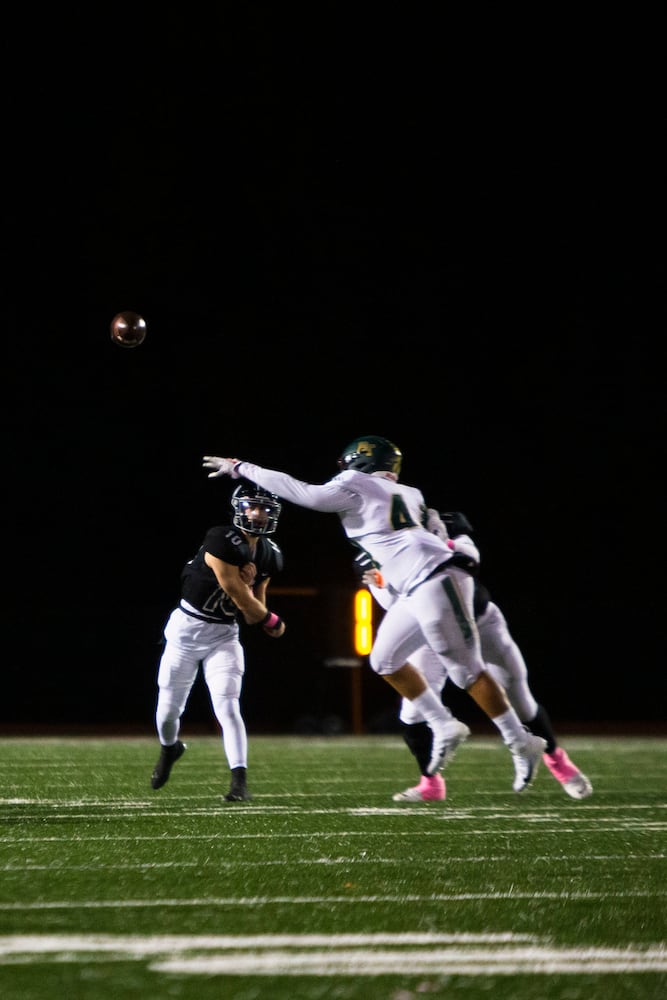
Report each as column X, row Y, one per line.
column 128, row 329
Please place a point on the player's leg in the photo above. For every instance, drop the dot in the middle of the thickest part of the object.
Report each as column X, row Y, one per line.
column 506, row 663
column 223, row 673
column 397, row 638
column 417, row 735
column 445, row 608
column 176, row 675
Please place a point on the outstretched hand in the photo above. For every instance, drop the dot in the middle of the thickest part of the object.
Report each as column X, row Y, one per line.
column 221, row 466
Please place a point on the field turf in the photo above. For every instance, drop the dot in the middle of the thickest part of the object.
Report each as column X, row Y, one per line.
column 322, row 887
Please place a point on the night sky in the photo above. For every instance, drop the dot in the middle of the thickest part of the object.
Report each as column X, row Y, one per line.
column 443, row 235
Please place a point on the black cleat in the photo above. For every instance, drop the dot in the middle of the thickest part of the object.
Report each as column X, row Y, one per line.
column 238, row 795
column 167, row 759
column 237, row 789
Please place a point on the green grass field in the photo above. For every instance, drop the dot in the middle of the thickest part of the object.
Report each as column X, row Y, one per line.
column 323, row 888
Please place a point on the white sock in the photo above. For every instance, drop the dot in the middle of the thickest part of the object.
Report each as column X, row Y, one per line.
column 234, row 734
column 430, row 706
column 511, row 729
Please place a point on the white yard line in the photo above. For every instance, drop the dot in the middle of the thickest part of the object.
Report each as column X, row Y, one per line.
column 370, row 859
column 327, row 900
column 442, row 961
column 340, row 954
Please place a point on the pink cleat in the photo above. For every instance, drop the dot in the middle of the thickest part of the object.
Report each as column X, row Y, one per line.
column 573, row 781
column 431, row 788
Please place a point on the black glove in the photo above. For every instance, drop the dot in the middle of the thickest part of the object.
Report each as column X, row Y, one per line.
column 457, row 523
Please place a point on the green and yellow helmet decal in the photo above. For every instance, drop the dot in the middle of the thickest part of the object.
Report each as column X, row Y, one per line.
column 371, row 454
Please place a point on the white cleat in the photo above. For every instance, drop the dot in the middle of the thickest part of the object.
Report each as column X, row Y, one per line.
column 526, row 756
column 578, row 787
column 574, row 783
column 429, row 789
column 445, row 743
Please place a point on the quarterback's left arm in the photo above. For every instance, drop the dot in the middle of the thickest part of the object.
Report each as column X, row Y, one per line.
column 231, row 580
column 278, row 629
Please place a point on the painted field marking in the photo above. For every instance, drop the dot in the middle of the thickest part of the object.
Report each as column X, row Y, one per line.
column 253, row 901
column 364, row 859
column 442, row 961
column 340, row 954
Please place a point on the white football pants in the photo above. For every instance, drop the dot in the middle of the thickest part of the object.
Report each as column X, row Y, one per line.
column 191, row 643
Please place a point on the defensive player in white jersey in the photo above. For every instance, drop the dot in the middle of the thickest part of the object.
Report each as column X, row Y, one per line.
column 386, row 519
column 223, row 584
column 503, row 659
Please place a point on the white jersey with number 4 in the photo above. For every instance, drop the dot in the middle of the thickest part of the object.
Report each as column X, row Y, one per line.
column 384, row 517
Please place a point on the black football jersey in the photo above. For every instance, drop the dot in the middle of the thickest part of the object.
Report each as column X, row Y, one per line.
column 199, row 584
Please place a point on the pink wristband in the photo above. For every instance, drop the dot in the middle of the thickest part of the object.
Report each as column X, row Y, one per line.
column 271, row 621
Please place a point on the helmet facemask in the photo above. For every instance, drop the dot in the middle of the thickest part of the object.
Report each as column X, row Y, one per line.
column 256, row 511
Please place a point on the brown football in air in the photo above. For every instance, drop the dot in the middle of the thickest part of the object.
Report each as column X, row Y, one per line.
column 128, row 329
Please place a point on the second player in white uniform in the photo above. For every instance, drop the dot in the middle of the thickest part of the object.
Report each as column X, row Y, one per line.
column 434, row 595
column 503, row 659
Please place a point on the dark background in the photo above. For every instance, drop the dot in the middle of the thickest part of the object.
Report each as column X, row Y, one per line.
column 449, row 233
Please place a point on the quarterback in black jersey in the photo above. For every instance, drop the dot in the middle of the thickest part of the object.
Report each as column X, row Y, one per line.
column 224, row 584
column 208, row 582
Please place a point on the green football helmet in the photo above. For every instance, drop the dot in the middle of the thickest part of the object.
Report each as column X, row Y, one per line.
column 371, row 454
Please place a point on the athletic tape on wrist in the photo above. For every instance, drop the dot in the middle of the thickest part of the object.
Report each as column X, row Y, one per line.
column 271, row 621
